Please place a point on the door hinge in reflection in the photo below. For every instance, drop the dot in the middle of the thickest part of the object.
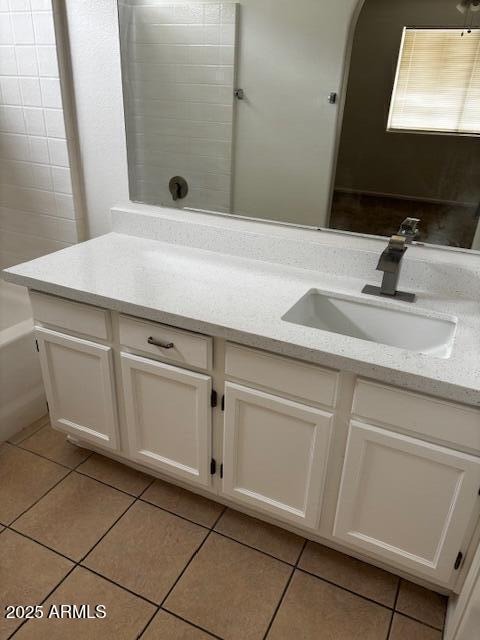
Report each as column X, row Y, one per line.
column 36, row 345
column 213, row 467
column 213, row 398
column 48, row 408
column 223, row 403
column 221, row 470
column 458, row 560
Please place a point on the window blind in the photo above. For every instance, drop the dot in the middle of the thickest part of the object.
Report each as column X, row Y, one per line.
column 437, row 84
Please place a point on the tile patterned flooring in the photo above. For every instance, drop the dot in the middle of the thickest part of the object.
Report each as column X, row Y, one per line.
column 76, row 527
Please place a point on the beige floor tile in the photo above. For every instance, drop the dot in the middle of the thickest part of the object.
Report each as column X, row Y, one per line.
column 166, row 627
column 184, row 503
column 115, row 474
column 74, row 515
column 315, row 610
column 261, row 535
column 422, row 604
column 405, row 629
column 28, row 572
column 146, row 550
column 55, row 446
column 229, row 589
column 24, row 478
column 28, row 431
column 348, row 572
column 126, row 615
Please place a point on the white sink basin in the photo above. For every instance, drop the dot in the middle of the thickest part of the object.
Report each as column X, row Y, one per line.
column 375, row 322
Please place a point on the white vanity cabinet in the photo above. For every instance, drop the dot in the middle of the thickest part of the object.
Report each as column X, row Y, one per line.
column 79, row 384
column 168, row 411
column 403, row 498
column 275, row 454
column 276, row 448
column 168, row 417
column 406, row 501
column 387, row 474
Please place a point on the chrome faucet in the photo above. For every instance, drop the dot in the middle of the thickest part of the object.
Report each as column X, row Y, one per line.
column 390, row 263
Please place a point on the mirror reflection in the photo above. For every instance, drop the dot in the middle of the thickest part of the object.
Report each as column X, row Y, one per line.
column 235, row 108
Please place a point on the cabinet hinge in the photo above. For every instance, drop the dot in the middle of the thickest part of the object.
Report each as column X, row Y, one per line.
column 213, row 398
column 213, row 467
column 36, row 345
column 458, row 560
column 223, row 403
column 221, row 470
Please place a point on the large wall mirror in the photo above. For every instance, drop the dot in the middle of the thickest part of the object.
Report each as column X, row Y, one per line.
column 247, row 108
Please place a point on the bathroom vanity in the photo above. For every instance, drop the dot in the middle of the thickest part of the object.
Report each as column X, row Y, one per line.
column 195, row 365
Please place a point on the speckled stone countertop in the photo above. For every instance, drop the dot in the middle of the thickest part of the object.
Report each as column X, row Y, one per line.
column 243, row 298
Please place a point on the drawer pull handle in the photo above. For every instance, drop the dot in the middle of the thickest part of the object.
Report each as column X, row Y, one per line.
column 163, row 345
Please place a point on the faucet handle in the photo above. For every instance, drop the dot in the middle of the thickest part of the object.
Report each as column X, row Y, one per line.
column 409, row 229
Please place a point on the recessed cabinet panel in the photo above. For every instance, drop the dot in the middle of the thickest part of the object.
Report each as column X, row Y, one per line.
column 405, row 500
column 275, row 454
column 168, row 417
column 78, row 378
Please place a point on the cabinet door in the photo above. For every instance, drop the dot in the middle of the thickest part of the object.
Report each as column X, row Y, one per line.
column 275, row 454
column 405, row 500
column 78, row 378
column 168, row 417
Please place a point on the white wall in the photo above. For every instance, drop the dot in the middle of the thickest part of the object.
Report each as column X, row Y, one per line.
column 438, row 167
column 37, row 210
column 92, row 31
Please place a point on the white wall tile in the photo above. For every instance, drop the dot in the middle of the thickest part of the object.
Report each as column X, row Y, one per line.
column 14, row 147
column 43, row 28
column 11, row 120
column 47, row 61
column 34, row 122
column 10, row 90
column 38, row 150
column 19, row 5
column 58, row 152
column 30, row 90
column 65, row 207
column 55, row 123
column 41, row 5
column 22, row 25
column 62, row 182
column 6, row 31
column 42, row 177
column 51, row 94
column 8, row 63
column 37, row 212
column 26, row 60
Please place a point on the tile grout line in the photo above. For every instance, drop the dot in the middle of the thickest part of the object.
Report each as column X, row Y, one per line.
column 191, row 558
column 40, row 455
column 70, row 471
column 192, row 624
column 285, row 589
column 161, row 605
column 393, row 609
column 75, row 562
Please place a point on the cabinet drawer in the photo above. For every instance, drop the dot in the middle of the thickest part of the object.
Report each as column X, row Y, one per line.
column 186, row 348
column 431, row 417
column 72, row 316
column 299, row 379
